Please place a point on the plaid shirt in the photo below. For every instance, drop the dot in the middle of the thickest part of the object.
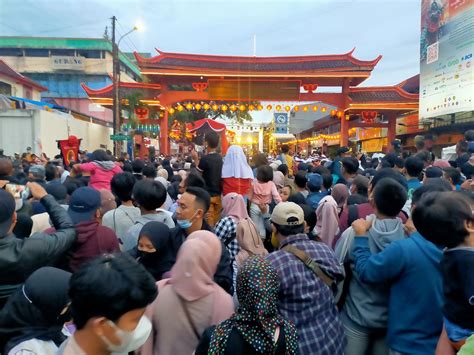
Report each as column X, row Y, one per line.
column 306, row 300
column 225, row 229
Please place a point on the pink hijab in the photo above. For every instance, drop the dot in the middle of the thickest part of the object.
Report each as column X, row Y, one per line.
column 192, row 276
column 279, row 179
column 250, row 244
column 340, row 194
column 233, row 205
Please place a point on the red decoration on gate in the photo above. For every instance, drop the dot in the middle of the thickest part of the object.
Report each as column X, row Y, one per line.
column 369, row 116
column 310, row 87
column 142, row 113
column 199, row 86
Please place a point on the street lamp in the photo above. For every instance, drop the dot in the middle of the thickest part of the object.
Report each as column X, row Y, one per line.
column 116, row 82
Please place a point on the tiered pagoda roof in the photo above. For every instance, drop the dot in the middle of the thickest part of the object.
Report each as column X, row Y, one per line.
column 305, row 68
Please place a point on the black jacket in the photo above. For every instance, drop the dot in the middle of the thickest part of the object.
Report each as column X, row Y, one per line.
column 20, row 257
column 223, row 275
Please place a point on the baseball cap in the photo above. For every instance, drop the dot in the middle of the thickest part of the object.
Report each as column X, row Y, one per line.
column 7, row 205
column 343, row 150
column 83, row 204
column 315, row 181
column 433, row 172
column 284, row 214
column 38, row 170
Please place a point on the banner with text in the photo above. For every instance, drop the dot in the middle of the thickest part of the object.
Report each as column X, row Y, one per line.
column 446, row 57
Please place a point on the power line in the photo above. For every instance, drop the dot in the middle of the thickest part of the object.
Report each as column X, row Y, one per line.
column 89, row 23
column 128, row 38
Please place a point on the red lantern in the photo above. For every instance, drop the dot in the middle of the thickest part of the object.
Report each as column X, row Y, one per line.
column 369, row 116
column 142, row 113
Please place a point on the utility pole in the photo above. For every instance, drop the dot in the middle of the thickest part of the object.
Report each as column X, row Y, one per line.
column 115, row 78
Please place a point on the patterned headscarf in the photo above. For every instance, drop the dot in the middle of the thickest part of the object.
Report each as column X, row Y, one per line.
column 257, row 317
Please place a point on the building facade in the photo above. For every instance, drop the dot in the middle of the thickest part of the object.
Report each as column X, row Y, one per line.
column 62, row 64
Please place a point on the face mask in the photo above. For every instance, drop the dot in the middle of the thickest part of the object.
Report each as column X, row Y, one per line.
column 185, row 223
column 129, row 340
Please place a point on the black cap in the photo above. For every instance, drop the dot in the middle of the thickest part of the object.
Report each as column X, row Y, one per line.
column 7, row 205
column 343, row 150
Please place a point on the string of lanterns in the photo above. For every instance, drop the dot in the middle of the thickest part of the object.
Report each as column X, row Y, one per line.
column 249, row 107
column 327, row 137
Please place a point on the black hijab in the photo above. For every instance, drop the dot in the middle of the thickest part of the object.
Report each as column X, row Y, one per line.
column 162, row 259
column 167, row 166
column 34, row 310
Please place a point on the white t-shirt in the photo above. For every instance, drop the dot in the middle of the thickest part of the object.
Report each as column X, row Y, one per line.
column 34, row 347
column 121, row 219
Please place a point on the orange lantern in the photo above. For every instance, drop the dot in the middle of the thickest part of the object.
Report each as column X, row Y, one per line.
column 333, row 112
column 269, row 107
column 180, row 108
column 305, row 108
column 242, row 107
column 171, row 110
column 215, row 107
column 296, row 108
column 197, row 106
column 259, row 107
column 287, row 108
column 324, row 109
column 339, row 114
column 189, row 106
column 315, row 108
column 233, row 107
column 251, row 107
column 278, row 107
column 224, row 108
column 206, row 107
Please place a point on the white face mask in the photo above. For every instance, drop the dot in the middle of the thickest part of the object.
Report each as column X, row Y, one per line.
column 129, row 340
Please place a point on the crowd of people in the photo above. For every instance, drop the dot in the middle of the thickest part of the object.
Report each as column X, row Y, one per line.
column 213, row 254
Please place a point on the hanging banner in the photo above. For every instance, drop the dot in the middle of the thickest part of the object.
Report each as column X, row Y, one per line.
column 69, row 149
column 446, row 68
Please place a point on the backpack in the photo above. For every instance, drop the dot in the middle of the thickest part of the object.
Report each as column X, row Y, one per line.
column 341, row 252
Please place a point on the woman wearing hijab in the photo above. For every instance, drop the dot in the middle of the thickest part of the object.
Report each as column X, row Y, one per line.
column 154, row 249
column 327, row 214
column 256, row 327
column 233, row 210
column 340, row 194
column 33, row 318
column 237, row 176
column 190, row 301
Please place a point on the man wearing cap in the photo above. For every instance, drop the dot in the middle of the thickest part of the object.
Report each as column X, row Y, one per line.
column 20, row 257
column 93, row 239
column 314, row 185
column 37, row 173
column 305, row 298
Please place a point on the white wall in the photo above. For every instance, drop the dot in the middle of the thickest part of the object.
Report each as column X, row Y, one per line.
column 22, row 128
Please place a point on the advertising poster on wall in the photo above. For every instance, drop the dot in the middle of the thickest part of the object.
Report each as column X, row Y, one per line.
column 447, row 67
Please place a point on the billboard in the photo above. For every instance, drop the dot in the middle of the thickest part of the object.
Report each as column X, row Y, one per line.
column 446, row 57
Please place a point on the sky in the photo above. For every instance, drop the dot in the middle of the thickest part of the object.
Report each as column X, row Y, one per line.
column 227, row 27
